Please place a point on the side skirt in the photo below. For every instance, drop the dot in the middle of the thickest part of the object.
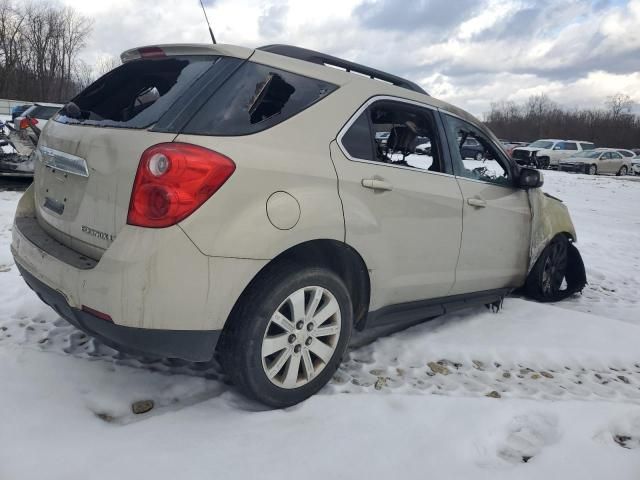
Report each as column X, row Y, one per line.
column 424, row 309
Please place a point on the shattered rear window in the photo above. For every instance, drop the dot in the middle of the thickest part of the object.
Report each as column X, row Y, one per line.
column 138, row 93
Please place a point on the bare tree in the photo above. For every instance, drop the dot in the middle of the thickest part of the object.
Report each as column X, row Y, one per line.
column 619, row 103
column 539, row 117
column 105, row 64
column 39, row 45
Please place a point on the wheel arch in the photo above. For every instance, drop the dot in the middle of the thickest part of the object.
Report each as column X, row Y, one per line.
column 339, row 257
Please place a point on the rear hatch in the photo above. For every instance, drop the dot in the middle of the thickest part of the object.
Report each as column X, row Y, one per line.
column 89, row 153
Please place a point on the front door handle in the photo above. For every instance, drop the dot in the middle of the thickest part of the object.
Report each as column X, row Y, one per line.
column 477, row 202
column 376, row 184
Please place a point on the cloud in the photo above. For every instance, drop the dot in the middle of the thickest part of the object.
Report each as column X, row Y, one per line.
column 468, row 52
column 272, row 22
column 407, row 16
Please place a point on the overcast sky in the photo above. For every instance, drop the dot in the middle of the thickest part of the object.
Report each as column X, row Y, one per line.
column 468, row 52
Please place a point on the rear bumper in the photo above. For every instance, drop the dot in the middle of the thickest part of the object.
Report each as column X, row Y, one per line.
column 192, row 345
column 148, row 281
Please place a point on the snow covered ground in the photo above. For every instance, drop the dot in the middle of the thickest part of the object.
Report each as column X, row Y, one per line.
column 534, row 391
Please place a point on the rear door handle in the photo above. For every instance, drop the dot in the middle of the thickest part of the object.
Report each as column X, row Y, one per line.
column 376, row 184
column 477, row 202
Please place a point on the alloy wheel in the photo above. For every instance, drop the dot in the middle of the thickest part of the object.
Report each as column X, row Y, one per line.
column 301, row 337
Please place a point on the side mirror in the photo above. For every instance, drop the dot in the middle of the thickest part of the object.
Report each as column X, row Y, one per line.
column 530, row 178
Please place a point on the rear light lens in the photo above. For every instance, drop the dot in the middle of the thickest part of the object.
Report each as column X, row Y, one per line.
column 173, row 180
column 24, row 123
column 151, row 52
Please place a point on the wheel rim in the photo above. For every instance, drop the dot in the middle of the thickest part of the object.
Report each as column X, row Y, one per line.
column 478, row 156
column 592, row 169
column 555, row 267
column 623, row 171
column 301, row 337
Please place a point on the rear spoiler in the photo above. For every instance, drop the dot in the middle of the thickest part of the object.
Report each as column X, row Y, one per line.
column 161, row 51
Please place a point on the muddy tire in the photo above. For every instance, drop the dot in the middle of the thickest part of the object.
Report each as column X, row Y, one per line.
column 287, row 336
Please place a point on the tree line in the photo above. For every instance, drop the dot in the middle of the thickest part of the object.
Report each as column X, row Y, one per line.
column 39, row 47
column 539, row 117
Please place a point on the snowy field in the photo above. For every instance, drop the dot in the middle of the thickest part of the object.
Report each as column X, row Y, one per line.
column 534, row 391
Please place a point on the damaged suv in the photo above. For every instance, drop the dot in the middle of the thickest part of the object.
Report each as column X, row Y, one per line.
column 207, row 198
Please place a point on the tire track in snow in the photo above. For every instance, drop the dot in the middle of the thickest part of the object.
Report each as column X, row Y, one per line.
column 446, row 377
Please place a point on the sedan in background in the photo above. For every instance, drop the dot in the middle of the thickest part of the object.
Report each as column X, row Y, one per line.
column 598, row 161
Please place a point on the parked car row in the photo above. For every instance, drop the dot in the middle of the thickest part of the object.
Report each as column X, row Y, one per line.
column 547, row 153
column 575, row 155
column 28, row 121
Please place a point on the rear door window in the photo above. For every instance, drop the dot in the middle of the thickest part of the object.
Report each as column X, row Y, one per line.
column 255, row 98
column 138, row 93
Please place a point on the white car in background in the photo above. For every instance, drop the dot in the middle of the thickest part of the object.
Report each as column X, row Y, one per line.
column 547, row 153
column 598, row 161
column 635, row 165
column 22, row 135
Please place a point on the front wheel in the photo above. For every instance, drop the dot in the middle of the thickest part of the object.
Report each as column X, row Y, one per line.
column 592, row 170
column 479, row 157
column 288, row 335
column 546, row 279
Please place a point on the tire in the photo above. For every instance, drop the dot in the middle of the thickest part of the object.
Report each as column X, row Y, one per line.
column 543, row 163
column 623, row 171
column 545, row 280
column 260, row 324
column 592, row 170
column 479, row 157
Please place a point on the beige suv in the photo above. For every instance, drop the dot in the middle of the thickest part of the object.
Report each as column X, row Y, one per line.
column 201, row 198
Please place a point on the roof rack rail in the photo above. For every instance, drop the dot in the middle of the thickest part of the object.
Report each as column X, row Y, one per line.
column 324, row 59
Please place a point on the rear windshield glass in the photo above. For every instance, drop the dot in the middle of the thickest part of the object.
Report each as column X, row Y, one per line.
column 136, row 94
column 42, row 112
column 255, row 98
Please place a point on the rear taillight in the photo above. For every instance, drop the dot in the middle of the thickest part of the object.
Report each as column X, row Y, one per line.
column 25, row 122
column 173, row 180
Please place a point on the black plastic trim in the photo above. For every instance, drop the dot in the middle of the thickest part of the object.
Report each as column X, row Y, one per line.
column 324, row 59
column 425, row 309
column 191, row 345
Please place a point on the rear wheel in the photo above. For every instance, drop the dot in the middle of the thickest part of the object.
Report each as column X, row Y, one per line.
column 288, row 335
column 546, row 279
column 479, row 156
column 623, row 171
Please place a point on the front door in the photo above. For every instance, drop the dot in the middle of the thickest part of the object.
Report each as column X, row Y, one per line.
column 403, row 211
column 496, row 216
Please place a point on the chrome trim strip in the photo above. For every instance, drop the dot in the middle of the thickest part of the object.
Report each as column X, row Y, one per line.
column 65, row 162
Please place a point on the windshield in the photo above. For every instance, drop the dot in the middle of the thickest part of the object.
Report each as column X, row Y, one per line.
column 541, row 144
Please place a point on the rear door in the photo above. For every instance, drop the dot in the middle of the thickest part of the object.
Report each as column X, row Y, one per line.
column 403, row 211
column 88, row 155
column 496, row 216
